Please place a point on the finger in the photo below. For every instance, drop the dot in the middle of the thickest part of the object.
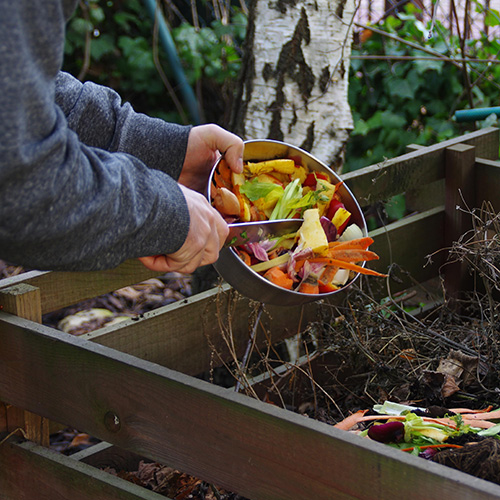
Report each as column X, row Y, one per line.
column 234, row 157
column 156, row 263
column 231, row 146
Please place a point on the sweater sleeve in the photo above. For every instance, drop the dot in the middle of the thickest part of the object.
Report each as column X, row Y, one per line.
column 70, row 202
column 97, row 115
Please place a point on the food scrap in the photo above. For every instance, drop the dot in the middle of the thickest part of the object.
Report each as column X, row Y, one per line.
column 327, row 250
column 423, row 431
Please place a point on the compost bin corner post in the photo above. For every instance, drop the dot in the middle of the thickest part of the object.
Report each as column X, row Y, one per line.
column 23, row 300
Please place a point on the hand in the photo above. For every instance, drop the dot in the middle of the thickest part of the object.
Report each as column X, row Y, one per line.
column 205, row 144
column 206, row 236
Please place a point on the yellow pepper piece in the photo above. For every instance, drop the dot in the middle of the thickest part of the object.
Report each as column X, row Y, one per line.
column 284, row 166
column 341, row 215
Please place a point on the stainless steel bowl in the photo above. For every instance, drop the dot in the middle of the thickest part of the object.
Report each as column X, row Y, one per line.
column 237, row 273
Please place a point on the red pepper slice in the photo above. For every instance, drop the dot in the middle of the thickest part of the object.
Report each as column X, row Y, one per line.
column 312, row 177
column 333, row 207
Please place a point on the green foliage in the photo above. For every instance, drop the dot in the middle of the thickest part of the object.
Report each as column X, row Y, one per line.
column 115, row 44
column 400, row 102
column 206, row 52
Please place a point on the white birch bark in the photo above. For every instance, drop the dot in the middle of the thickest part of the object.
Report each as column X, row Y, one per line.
column 295, row 76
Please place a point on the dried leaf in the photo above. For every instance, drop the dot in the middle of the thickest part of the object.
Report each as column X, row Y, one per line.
column 449, row 387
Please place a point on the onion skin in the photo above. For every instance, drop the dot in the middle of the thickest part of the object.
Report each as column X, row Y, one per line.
column 390, row 432
column 226, row 202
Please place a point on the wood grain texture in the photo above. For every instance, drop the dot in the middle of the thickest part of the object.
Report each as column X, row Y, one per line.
column 414, row 169
column 185, row 336
column 31, row 472
column 24, row 300
column 487, row 181
column 244, row 445
column 188, row 335
column 460, row 161
column 61, row 289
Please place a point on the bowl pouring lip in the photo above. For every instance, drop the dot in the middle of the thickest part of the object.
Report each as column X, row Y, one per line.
column 229, row 256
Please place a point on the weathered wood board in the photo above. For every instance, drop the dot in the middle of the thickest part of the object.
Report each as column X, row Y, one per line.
column 32, row 472
column 244, row 445
column 125, row 386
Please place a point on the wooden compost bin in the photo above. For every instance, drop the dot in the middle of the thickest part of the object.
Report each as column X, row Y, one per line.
column 132, row 385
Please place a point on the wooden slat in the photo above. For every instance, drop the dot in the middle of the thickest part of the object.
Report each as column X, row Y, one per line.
column 61, row 289
column 24, row 301
column 413, row 245
column 422, row 166
column 244, row 445
column 32, row 472
column 103, row 455
column 183, row 336
column 460, row 198
column 487, row 180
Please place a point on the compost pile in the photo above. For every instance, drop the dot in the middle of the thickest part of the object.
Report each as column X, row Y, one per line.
column 418, row 348
column 421, row 348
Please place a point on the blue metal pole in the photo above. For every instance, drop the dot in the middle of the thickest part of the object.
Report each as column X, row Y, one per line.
column 471, row 115
column 169, row 46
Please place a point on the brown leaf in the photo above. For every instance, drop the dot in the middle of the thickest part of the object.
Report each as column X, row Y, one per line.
column 460, row 366
column 449, row 386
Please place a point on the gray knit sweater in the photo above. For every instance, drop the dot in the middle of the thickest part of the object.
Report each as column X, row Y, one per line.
column 85, row 182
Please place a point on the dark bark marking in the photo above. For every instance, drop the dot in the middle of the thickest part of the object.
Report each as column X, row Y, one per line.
column 340, row 9
column 342, row 69
column 267, row 72
column 293, row 120
column 291, row 64
column 308, row 142
column 324, row 79
column 282, row 5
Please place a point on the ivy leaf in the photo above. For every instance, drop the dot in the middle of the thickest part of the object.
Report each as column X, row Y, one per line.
column 400, row 88
column 102, row 46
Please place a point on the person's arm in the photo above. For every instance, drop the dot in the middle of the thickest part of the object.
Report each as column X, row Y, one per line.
column 100, row 118
column 64, row 204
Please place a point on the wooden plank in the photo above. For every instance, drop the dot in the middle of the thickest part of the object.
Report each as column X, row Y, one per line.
column 24, row 301
column 487, row 180
column 185, row 335
column 32, row 472
column 407, row 245
column 61, row 289
column 460, row 198
column 103, row 455
column 258, row 450
column 411, row 170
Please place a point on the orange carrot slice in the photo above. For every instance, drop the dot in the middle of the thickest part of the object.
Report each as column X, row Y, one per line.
column 346, row 265
column 469, row 410
column 352, row 255
column 307, row 287
column 279, row 277
column 351, row 420
column 476, row 422
column 359, row 244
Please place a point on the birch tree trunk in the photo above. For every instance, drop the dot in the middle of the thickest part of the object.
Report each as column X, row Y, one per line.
column 295, row 76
